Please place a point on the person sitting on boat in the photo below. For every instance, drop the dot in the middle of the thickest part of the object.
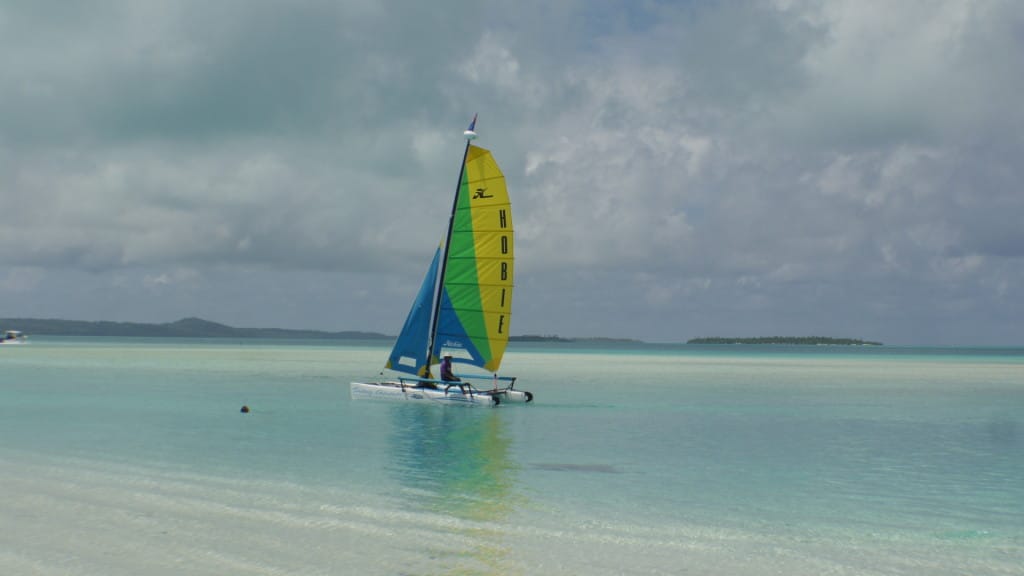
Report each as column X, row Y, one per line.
column 448, row 376
column 446, row 370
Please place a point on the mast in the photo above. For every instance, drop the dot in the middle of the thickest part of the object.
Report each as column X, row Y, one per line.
column 470, row 135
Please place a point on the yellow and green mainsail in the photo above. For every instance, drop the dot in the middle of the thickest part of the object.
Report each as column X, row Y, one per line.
column 465, row 303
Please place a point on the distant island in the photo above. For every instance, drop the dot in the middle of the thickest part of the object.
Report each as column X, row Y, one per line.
column 184, row 328
column 538, row 338
column 199, row 328
column 559, row 339
column 791, row 340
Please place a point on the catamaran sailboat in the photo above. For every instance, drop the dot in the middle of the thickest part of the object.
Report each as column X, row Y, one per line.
column 464, row 306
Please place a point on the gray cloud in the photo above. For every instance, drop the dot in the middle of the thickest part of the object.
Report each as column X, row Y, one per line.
column 843, row 168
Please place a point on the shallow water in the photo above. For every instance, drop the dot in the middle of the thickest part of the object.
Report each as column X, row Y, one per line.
column 131, row 457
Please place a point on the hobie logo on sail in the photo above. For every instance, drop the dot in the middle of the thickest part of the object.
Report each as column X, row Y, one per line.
column 481, row 193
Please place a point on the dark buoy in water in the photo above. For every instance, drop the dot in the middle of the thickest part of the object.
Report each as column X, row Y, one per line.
column 245, row 409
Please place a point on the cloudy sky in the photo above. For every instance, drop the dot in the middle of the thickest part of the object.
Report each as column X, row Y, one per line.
column 678, row 169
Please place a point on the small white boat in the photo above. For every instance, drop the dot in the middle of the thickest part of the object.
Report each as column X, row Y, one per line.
column 13, row 337
column 464, row 305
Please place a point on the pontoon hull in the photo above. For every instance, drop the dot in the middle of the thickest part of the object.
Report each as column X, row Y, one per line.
column 516, row 396
column 394, row 390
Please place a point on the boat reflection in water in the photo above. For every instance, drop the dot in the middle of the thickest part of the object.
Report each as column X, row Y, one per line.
column 459, row 480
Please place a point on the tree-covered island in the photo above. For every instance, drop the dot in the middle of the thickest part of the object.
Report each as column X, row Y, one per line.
column 199, row 328
column 790, row 340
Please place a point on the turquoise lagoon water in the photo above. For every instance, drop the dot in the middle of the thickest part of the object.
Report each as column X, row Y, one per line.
column 131, row 457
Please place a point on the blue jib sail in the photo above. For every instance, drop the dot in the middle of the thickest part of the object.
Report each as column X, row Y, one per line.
column 409, row 353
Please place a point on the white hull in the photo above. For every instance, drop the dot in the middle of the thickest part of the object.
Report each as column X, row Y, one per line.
column 395, row 390
column 13, row 337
